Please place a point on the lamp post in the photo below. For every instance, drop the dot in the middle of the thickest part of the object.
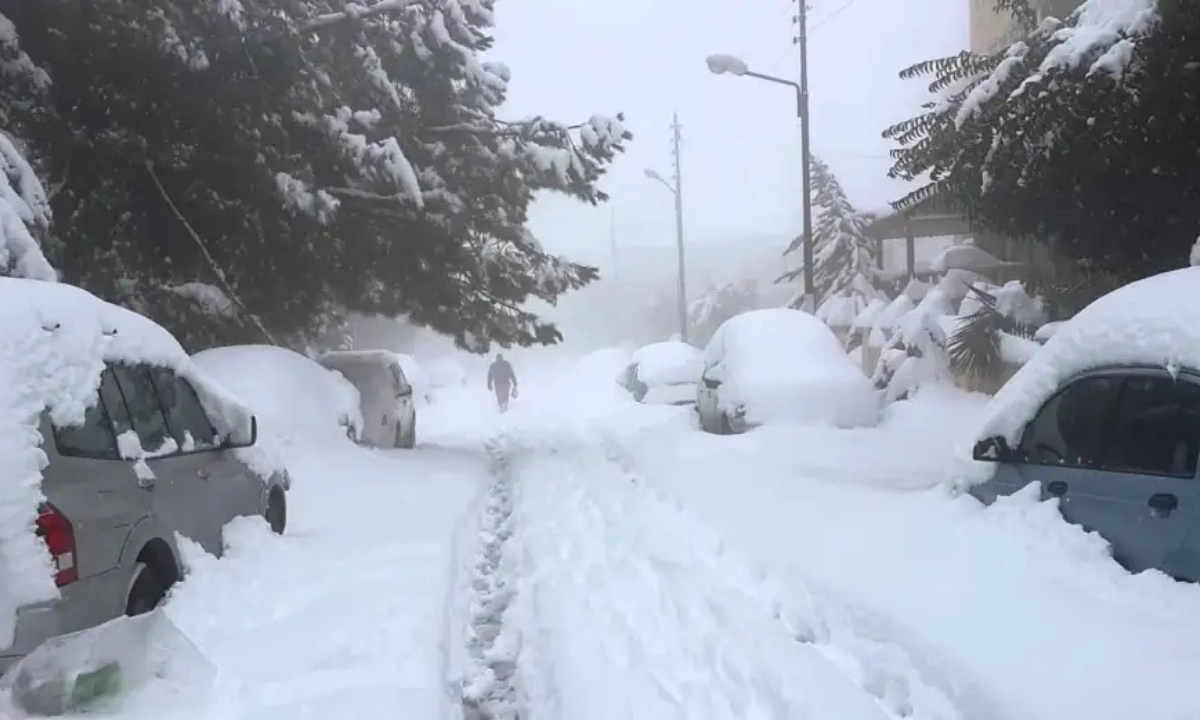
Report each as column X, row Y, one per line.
column 677, row 191
column 730, row 65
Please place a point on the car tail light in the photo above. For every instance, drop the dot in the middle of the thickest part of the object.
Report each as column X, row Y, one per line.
column 55, row 529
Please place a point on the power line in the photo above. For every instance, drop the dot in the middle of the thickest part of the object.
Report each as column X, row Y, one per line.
column 832, row 15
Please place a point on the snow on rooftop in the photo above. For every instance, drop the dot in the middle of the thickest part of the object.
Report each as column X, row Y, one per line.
column 54, row 341
column 1155, row 321
column 964, row 257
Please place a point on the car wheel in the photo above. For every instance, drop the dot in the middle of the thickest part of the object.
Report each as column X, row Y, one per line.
column 276, row 512
column 146, row 592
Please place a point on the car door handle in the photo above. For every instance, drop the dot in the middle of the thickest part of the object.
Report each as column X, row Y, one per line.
column 1057, row 488
column 1162, row 504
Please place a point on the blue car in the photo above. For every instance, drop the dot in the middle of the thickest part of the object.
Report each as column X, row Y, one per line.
column 1118, row 446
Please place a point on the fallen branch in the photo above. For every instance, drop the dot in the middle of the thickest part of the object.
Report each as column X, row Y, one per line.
column 212, row 262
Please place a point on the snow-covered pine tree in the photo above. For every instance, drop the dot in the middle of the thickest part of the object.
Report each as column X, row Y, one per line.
column 844, row 255
column 24, row 209
column 1082, row 132
column 306, row 159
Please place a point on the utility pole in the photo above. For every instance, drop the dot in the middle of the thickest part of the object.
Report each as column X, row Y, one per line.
column 801, row 39
column 683, row 318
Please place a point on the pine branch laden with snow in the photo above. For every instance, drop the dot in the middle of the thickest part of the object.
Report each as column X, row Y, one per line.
column 24, row 209
column 1068, row 106
column 410, row 196
column 844, row 256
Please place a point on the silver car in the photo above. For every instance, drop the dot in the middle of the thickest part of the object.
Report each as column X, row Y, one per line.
column 110, row 522
column 388, row 411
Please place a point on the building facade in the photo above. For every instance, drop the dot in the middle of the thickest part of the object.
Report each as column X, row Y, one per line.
column 992, row 31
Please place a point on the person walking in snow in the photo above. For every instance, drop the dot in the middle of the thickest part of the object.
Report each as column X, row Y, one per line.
column 503, row 380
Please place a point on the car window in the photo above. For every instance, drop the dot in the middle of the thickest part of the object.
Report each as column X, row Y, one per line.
column 94, row 438
column 144, row 411
column 186, row 420
column 1156, row 429
column 1070, row 428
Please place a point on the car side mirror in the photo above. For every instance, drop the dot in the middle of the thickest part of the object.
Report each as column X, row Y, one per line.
column 405, row 391
column 992, row 449
column 711, row 383
column 244, row 441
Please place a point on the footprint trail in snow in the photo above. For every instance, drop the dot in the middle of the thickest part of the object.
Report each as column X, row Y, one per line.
column 607, row 602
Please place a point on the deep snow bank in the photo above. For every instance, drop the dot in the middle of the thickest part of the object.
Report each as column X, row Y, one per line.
column 1020, row 613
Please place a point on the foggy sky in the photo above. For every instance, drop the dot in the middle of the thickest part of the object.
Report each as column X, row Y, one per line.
column 741, row 156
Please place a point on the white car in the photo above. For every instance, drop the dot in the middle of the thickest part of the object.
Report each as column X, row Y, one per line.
column 386, row 397
column 294, row 396
column 663, row 373
column 780, row 365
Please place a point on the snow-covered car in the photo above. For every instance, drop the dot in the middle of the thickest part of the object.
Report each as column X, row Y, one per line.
column 293, row 397
column 1105, row 418
column 780, row 365
column 664, row 373
column 389, row 414
column 113, row 443
column 416, row 376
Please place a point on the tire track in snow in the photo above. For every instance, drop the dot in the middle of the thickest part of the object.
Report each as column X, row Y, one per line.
column 487, row 689
column 906, row 685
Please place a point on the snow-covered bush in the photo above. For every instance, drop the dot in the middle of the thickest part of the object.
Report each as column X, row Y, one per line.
column 916, row 352
column 994, row 320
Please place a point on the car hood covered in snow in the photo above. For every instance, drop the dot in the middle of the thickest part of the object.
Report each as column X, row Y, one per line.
column 54, row 341
column 783, row 365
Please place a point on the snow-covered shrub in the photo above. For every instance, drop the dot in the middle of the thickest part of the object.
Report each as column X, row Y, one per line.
column 916, row 353
column 993, row 320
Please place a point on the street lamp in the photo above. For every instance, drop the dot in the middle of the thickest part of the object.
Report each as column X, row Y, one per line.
column 730, row 65
column 677, row 192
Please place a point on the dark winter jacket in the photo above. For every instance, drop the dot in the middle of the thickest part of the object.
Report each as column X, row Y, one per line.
column 501, row 373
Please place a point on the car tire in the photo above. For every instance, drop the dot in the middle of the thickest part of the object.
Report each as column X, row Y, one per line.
column 276, row 512
column 146, row 592
column 406, row 439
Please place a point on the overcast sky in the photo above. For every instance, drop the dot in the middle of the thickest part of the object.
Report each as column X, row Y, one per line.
column 741, row 154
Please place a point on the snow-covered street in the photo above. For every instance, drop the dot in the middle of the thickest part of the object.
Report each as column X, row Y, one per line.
column 596, row 558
